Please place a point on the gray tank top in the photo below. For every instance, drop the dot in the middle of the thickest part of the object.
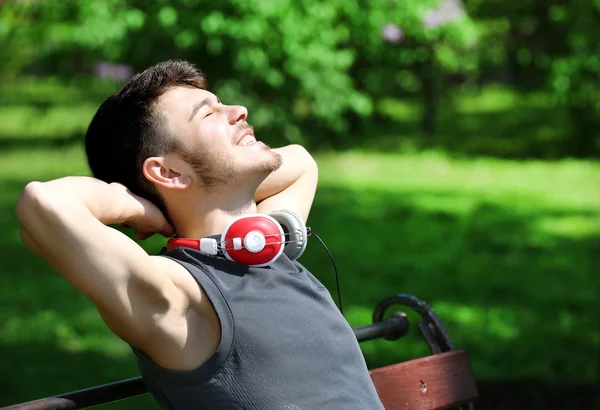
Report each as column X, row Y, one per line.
column 284, row 344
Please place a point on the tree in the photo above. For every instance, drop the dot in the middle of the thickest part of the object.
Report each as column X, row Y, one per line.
column 290, row 62
column 575, row 76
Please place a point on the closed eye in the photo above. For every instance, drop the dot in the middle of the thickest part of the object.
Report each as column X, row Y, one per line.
column 207, row 114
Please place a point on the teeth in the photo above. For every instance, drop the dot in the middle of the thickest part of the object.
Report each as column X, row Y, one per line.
column 248, row 139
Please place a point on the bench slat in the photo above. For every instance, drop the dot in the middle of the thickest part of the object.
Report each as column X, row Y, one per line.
column 440, row 381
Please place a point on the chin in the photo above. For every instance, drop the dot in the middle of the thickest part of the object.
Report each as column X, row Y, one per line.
column 271, row 162
column 276, row 160
column 255, row 160
column 262, row 157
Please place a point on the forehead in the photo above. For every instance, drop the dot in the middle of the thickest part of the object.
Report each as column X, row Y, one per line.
column 179, row 101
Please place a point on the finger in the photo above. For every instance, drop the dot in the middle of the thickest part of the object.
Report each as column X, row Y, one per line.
column 167, row 231
column 142, row 235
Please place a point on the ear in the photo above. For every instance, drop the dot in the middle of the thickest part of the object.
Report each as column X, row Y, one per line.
column 169, row 175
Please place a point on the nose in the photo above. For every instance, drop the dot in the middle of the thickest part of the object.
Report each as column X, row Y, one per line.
column 237, row 113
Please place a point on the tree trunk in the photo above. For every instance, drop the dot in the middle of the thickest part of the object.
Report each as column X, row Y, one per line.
column 429, row 94
column 585, row 142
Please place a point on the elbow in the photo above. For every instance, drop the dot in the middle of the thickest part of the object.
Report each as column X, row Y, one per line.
column 311, row 165
column 310, row 169
column 27, row 199
column 308, row 162
column 30, row 201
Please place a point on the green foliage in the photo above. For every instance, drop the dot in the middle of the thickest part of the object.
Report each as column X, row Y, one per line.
column 493, row 121
column 576, row 75
column 291, row 62
column 537, row 45
column 310, row 68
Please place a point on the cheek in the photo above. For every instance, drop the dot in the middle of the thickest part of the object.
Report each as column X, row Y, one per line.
column 216, row 135
column 205, row 138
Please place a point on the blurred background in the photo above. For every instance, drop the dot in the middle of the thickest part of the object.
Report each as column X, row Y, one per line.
column 458, row 145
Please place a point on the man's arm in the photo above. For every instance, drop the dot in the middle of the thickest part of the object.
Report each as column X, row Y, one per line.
column 292, row 186
column 63, row 221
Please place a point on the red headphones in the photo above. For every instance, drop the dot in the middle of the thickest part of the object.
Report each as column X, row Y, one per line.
column 254, row 240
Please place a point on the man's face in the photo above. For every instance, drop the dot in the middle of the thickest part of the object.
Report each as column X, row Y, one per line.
column 214, row 138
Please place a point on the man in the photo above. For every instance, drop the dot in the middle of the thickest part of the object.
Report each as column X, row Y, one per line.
column 168, row 157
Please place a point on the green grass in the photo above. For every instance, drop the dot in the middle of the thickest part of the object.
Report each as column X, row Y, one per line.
column 503, row 250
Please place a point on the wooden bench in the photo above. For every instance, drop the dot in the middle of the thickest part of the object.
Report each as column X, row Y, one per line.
column 441, row 381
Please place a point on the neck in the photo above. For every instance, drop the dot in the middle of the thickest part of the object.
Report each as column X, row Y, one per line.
column 198, row 214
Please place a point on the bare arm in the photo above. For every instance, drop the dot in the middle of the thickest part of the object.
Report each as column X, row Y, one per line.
column 63, row 221
column 292, row 186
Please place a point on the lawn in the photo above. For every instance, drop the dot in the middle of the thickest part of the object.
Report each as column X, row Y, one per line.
column 503, row 250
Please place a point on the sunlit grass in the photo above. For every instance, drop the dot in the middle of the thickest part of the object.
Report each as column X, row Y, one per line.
column 504, row 251
column 517, row 184
column 25, row 121
column 49, row 90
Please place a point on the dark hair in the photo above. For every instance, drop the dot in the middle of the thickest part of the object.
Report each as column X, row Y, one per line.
column 127, row 130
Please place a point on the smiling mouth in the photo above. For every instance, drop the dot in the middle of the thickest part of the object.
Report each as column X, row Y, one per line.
column 246, row 138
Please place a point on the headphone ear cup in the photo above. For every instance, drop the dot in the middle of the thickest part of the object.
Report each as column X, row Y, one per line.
column 253, row 240
column 295, row 230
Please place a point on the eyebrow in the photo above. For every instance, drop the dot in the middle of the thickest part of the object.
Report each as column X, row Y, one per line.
column 200, row 104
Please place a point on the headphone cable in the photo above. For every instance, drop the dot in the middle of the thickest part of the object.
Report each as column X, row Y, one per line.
column 337, row 279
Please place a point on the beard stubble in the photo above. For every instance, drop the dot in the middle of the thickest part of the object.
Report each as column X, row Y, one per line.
column 217, row 169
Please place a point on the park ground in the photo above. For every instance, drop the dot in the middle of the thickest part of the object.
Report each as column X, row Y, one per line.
column 505, row 250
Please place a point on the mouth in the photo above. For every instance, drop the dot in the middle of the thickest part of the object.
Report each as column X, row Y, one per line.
column 246, row 138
